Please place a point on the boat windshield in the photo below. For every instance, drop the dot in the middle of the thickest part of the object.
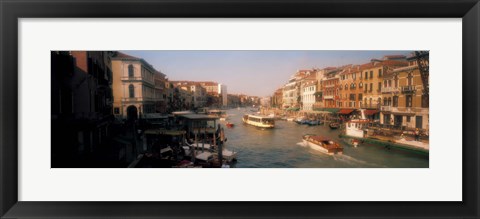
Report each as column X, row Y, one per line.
column 268, row 121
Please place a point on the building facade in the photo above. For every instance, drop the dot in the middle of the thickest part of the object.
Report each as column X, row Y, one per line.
column 404, row 102
column 133, row 87
column 81, row 104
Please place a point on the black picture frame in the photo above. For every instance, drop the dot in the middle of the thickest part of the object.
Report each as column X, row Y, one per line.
column 12, row 10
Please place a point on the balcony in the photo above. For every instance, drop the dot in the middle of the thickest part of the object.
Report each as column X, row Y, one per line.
column 386, row 108
column 389, row 89
column 137, row 79
column 137, row 99
column 328, row 97
column 408, row 89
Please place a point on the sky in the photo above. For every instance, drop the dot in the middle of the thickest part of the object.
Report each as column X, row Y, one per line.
column 256, row 72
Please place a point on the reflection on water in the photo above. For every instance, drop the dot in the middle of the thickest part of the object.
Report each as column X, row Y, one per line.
column 282, row 147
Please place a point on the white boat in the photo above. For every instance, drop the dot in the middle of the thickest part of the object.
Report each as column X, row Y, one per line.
column 290, row 119
column 322, row 144
column 228, row 155
column 205, row 157
column 357, row 127
column 259, row 121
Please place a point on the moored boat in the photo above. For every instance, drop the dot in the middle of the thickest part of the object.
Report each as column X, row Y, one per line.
column 334, row 125
column 322, row 144
column 229, row 125
column 259, row 121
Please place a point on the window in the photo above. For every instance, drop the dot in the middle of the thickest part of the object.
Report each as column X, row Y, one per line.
column 131, row 91
column 410, row 79
column 360, row 85
column 425, row 101
column 379, row 72
column 346, row 87
column 385, row 83
column 371, row 74
column 371, row 87
column 360, row 96
column 408, row 118
column 352, row 97
column 379, row 102
column 366, row 75
column 408, row 102
column 385, row 102
column 116, row 110
column 395, row 101
column 130, row 71
column 396, row 81
column 370, row 104
column 379, row 85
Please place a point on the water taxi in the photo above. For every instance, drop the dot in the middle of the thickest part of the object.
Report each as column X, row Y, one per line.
column 259, row 121
column 322, row 144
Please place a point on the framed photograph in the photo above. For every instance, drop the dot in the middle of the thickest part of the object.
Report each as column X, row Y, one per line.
column 230, row 109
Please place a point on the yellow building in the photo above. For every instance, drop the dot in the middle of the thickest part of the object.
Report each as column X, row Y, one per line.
column 372, row 78
column 405, row 104
column 133, row 86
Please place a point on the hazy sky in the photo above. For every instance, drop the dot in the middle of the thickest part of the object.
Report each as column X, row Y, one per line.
column 257, row 73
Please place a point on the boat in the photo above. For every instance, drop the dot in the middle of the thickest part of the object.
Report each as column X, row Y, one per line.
column 301, row 120
column 259, row 121
column 313, row 122
column 290, row 119
column 334, row 125
column 357, row 127
column 322, row 144
column 229, row 125
column 221, row 114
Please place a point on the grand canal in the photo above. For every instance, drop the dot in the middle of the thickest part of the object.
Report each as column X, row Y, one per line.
column 282, row 147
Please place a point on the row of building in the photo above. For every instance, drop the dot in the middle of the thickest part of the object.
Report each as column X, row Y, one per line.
column 392, row 90
column 90, row 89
column 138, row 88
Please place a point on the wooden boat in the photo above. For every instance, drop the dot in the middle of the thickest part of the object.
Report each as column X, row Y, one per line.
column 334, row 125
column 322, row 144
column 259, row 121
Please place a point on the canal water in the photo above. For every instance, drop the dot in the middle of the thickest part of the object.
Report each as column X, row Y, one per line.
column 282, row 147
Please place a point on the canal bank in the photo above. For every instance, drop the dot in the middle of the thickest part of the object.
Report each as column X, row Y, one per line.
column 281, row 147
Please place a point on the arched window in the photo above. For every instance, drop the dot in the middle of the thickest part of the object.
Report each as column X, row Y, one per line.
column 346, row 87
column 131, row 91
column 385, row 102
column 360, row 85
column 130, row 71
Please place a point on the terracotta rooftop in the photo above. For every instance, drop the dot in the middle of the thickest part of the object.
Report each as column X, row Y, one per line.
column 121, row 55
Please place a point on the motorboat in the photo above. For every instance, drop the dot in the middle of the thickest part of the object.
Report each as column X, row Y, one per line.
column 334, row 125
column 322, row 144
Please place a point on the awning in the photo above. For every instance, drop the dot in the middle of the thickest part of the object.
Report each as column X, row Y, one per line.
column 370, row 112
column 345, row 111
column 331, row 110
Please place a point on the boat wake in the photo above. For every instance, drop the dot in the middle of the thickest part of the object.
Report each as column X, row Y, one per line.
column 302, row 144
column 352, row 160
